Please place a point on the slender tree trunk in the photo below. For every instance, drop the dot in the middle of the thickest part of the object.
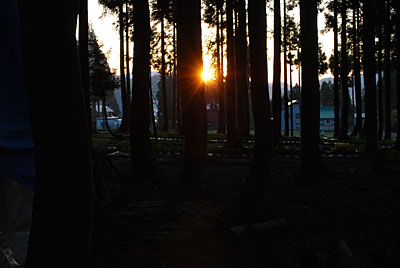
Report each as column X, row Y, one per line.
column 124, row 123
column 398, row 73
column 221, row 86
column 241, row 72
column 381, row 10
column 276, row 87
column 163, row 84
column 128, row 73
column 310, row 154
column 336, row 71
column 291, row 100
column 369, row 75
column 193, row 95
column 61, row 218
column 285, row 89
column 254, row 187
column 220, row 89
column 84, row 55
column 174, row 82
column 140, row 113
column 357, row 77
column 230, row 78
column 388, row 86
column 344, row 76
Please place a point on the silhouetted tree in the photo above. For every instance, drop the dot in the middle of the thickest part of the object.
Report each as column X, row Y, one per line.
column 276, row 83
column 194, row 117
column 369, row 75
column 387, row 76
column 336, row 70
column 344, row 75
column 62, row 207
column 285, row 82
column 381, row 15
column 230, row 78
column 254, row 188
column 310, row 154
column 397, row 22
column 140, row 114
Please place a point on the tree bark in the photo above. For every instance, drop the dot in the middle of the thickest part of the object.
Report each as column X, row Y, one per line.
column 140, row 113
column 221, row 84
column 381, row 10
column 232, row 140
column 254, row 188
column 387, row 76
column 398, row 72
column 310, row 154
column 336, row 72
column 241, row 72
column 84, row 55
column 127, row 58
column 124, row 123
column 62, row 207
column 344, row 76
column 357, row 77
column 369, row 76
column 276, row 84
column 194, row 117
column 163, row 85
column 285, row 89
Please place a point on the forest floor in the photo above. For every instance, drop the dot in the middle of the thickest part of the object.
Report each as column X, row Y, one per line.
column 353, row 204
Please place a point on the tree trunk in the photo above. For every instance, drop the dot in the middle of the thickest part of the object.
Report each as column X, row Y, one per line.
column 381, row 10
column 62, row 207
column 398, row 73
column 254, row 188
column 310, row 153
column 344, row 76
column 164, row 106
column 369, row 75
column 357, row 77
column 241, row 72
column 388, row 86
column 285, row 89
column 221, row 86
column 336, row 71
column 291, row 101
column 84, row 55
column 194, row 117
column 124, row 123
column 232, row 140
column 127, row 58
column 140, row 113
column 276, row 84
column 174, row 82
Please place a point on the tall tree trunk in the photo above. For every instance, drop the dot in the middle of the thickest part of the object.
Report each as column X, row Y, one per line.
column 174, row 82
column 276, row 84
column 381, row 10
column 61, row 219
column 84, row 55
column 241, row 72
column 254, row 187
column 220, row 90
column 388, row 86
column 140, row 113
column 221, row 84
column 357, row 77
column 127, row 58
column 285, row 89
column 291, row 100
column 310, row 153
column 398, row 72
column 344, row 76
column 230, row 78
column 336, row 71
column 164, row 106
column 124, row 123
column 369, row 75
column 194, row 115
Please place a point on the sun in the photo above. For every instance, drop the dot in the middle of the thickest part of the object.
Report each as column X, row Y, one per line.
column 207, row 74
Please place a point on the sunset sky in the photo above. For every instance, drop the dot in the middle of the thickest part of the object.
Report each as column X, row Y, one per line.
column 106, row 33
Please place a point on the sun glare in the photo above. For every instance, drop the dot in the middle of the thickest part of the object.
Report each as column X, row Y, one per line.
column 207, row 75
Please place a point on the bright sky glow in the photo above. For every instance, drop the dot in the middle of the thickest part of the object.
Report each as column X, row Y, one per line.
column 106, row 33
